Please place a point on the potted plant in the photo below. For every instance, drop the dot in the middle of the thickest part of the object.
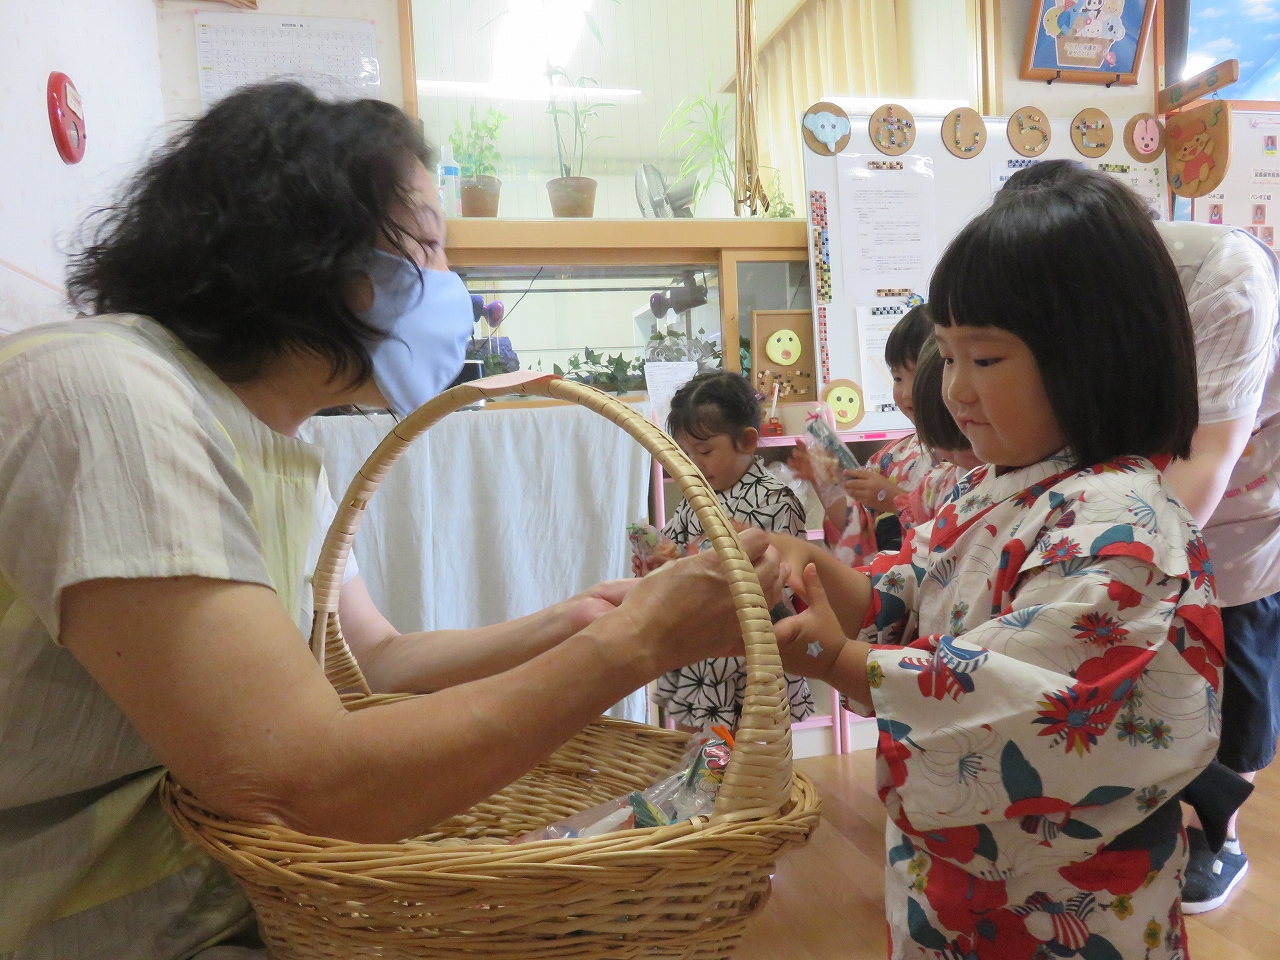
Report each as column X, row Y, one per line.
column 572, row 194
column 476, row 154
column 706, row 123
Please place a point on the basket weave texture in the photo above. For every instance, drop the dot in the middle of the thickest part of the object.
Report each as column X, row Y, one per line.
column 463, row 890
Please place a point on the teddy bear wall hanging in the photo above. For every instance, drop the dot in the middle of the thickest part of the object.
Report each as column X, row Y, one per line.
column 1198, row 148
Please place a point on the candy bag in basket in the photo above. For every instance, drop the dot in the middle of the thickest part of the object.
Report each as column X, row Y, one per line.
column 830, row 459
column 688, row 791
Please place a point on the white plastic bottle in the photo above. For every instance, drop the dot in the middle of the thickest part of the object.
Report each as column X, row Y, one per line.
column 450, row 178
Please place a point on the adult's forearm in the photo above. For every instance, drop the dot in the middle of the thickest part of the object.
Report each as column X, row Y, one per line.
column 434, row 660
column 395, row 771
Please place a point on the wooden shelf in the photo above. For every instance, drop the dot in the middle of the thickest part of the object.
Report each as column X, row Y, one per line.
column 849, row 436
column 476, row 241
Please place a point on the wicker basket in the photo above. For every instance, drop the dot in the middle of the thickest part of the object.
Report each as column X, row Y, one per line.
column 685, row 890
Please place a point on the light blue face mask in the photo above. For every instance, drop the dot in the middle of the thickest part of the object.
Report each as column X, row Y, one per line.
column 428, row 318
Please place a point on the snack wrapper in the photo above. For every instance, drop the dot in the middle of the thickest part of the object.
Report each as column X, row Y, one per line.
column 688, row 791
column 830, row 459
column 652, row 548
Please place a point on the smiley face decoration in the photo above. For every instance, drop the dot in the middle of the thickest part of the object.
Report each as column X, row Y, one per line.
column 783, row 348
column 782, row 355
column 844, row 397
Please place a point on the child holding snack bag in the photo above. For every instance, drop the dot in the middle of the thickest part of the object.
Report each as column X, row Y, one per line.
column 867, row 521
column 715, row 419
column 1044, row 657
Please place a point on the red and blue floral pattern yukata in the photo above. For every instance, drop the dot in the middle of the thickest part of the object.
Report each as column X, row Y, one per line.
column 903, row 461
column 1058, row 687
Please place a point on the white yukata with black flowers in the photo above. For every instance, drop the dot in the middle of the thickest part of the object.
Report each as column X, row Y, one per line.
column 711, row 692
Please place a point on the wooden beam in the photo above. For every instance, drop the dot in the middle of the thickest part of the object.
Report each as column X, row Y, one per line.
column 408, row 58
column 1183, row 94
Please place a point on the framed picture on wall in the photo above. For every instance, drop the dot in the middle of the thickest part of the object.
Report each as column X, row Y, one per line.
column 1087, row 41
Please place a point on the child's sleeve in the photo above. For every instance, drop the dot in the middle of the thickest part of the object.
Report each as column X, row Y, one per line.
column 895, row 584
column 790, row 517
column 679, row 528
column 1092, row 700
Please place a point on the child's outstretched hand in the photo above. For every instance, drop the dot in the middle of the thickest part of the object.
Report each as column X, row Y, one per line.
column 810, row 642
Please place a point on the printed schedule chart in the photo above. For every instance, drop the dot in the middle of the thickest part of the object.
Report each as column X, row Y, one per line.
column 336, row 57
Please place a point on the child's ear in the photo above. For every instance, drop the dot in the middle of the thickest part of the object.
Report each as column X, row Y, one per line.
column 748, row 440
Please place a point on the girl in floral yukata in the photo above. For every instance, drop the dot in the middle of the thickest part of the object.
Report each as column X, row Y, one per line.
column 941, row 437
column 867, row 519
column 1043, row 657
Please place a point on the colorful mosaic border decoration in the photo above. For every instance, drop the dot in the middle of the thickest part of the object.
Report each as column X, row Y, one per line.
column 821, row 244
column 822, row 344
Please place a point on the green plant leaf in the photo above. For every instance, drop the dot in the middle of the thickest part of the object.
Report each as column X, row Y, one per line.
column 594, row 27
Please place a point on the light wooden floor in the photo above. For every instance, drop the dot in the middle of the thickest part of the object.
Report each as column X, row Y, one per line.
column 828, row 898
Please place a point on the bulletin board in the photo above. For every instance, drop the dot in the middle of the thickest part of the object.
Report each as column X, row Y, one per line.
column 1249, row 195
column 878, row 224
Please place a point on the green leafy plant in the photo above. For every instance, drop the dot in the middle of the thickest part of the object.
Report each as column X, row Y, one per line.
column 779, row 206
column 571, row 150
column 475, row 150
column 597, row 370
column 705, row 121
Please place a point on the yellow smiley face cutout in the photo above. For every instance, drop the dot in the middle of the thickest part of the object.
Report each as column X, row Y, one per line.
column 783, row 348
column 845, row 400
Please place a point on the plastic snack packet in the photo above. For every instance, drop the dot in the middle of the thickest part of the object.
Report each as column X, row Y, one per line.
column 830, row 459
column 650, row 548
column 688, row 791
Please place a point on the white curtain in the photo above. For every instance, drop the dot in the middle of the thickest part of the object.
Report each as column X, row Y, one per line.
column 850, row 48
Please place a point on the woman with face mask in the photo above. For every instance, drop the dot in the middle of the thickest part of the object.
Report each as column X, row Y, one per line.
column 159, row 518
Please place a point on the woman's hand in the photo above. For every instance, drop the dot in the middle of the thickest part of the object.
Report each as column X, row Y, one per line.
column 685, row 612
column 589, row 606
column 871, row 489
column 810, row 642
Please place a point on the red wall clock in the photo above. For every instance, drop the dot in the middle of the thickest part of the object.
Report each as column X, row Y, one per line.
column 66, row 117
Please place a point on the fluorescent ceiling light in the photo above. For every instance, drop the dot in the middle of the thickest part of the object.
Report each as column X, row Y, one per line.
column 542, row 91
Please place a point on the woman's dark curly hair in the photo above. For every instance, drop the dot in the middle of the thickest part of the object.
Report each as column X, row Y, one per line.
column 242, row 234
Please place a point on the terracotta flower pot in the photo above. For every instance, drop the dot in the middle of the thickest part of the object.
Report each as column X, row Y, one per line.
column 572, row 196
column 480, row 196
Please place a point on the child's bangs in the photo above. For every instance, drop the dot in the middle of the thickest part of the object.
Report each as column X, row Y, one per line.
column 991, row 276
column 699, row 421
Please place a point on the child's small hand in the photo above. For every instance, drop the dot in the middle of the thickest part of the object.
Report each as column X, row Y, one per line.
column 810, row 642
column 801, row 464
column 871, row 489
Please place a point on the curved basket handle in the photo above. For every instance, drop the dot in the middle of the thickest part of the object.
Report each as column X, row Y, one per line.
column 758, row 780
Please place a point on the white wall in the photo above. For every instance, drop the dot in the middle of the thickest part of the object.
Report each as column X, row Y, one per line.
column 1066, row 99
column 177, row 33
column 109, row 49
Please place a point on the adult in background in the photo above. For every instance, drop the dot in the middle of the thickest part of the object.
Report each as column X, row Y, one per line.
column 159, row 517
column 1231, row 486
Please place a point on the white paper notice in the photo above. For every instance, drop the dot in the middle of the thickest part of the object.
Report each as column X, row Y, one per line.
column 662, row 380
column 889, row 237
column 874, row 326
column 336, row 57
